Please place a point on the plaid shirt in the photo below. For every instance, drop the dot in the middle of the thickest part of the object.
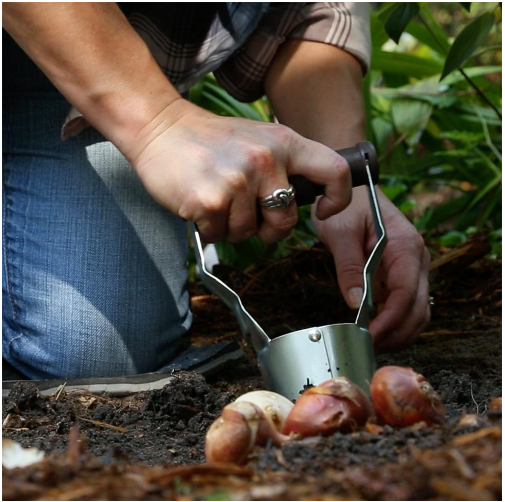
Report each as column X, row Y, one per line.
column 237, row 41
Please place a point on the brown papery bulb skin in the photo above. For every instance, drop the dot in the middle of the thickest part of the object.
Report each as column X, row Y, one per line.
column 240, row 427
column 228, row 438
column 402, row 397
column 334, row 405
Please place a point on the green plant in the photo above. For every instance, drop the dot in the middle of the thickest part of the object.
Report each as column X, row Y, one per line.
column 435, row 113
column 433, row 104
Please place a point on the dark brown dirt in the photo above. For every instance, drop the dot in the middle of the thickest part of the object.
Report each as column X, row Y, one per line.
column 460, row 354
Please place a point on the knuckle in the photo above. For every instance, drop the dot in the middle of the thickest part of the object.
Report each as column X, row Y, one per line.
column 282, row 134
column 344, row 200
column 237, row 181
column 213, row 203
column 427, row 316
column 204, row 157
column 341, row 168
column 347, row 268
column 242, row 234
column 418, row 241
column 261, row 159
column 426, row 257
column 411, row 244
column 184, row 213
column 409, row 296
column 341, row 173
column 420, row 312
column 286, row 225
column 413, row 241
column 187, row 210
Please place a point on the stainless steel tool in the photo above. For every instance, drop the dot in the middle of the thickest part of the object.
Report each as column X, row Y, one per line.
column 310, row 356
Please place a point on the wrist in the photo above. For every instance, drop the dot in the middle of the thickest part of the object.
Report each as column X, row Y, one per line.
column 127, row 110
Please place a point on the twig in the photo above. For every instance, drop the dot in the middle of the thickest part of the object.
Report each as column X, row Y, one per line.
column 74, row 448
column 255, row 277
column 7, row 418
column 449, row 256
column 445, row 332
column 473, row 399
column 60, row 391
column 103, row 424
column 281, row 459
column 441, row 332
column 474, row 436
column 461, row 464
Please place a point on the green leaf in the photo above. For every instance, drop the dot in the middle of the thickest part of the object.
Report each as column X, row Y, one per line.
column 379, row 35
column 466, row 5
column 195, row 93
column 382, row 130
column 438, row 32
column 421, row 33
column 478, row 53
column 241, row 109
column 393, row 192
column 464, row 136
column 400, row 18
column 261, row 108
column 242, row 254
column 385, row 9
column 452, row 238
column 444, row 212
column 404, row 64
column 407, row 206
column 410, row 118
column 429, row 89
column 467, row 42
column 473, row 72
column 226, row 253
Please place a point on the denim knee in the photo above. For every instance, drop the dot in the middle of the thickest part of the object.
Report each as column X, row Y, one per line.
column 94, row 269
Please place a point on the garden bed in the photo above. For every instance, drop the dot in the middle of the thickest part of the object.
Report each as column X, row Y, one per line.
column 149, row 446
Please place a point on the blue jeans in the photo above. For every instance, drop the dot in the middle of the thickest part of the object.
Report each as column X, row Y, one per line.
column 94, row 270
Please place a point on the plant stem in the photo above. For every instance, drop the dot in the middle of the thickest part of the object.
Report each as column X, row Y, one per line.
column 480, row 93
column 467, row 78
column 487, row 136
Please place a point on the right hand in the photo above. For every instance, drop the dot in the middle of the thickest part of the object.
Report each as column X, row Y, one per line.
column 212, row 170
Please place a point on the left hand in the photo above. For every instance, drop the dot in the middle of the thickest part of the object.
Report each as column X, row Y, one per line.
column 350, row 236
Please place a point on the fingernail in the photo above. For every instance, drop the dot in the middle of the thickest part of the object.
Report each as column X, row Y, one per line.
column 354, row 296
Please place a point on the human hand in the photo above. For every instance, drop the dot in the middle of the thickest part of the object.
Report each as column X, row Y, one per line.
column 403, row 301
column 212, row 170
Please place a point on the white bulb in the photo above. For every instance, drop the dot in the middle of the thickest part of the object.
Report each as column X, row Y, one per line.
column 275, row 407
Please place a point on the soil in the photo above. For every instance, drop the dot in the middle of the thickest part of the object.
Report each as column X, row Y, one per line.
column 149, row 446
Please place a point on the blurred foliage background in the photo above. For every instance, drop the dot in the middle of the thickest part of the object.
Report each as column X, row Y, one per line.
column 433, row 102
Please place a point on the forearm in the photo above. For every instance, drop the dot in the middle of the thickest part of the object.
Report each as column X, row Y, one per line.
column 316, row 89
column 97, row 61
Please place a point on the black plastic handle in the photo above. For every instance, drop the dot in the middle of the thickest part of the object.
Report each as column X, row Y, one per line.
column 356, row 156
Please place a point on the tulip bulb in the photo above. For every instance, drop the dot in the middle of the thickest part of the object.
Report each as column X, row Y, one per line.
column 334, row 405
column 402, row 397
column 275, row 407
column 251, row 420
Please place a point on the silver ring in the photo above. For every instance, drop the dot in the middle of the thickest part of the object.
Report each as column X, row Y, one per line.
column 280, row 198
column 431, row 301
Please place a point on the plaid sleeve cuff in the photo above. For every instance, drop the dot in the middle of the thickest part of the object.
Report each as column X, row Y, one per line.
column 344, row 24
